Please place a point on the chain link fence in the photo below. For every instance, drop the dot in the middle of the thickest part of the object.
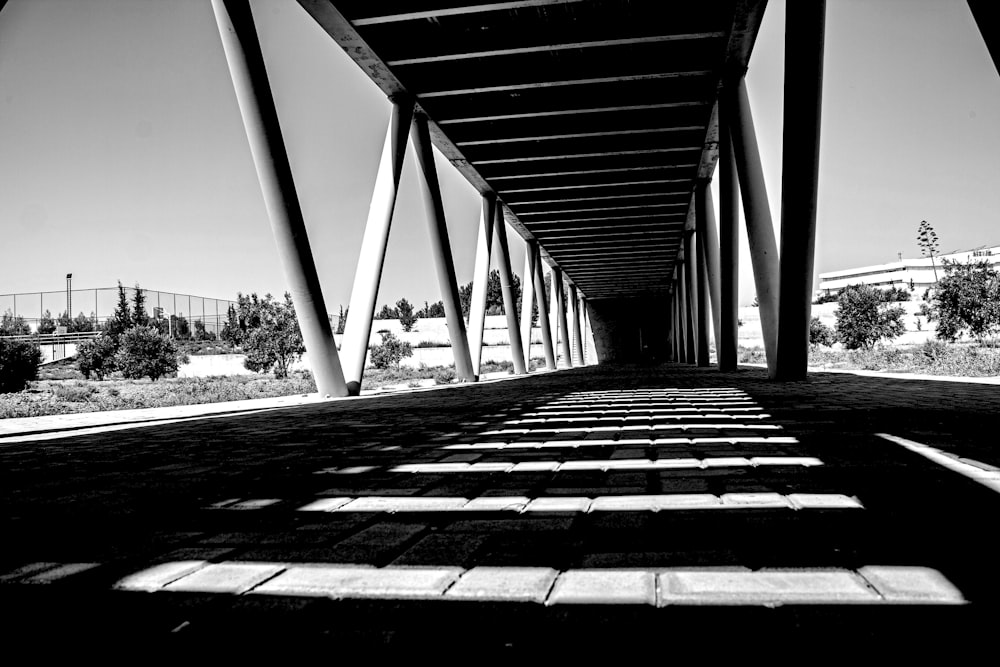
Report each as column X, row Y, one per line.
column 183, row 315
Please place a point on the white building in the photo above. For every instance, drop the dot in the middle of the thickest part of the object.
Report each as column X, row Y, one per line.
column 917, row 273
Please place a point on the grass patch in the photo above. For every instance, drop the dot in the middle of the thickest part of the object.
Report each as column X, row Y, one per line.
column 929, row 358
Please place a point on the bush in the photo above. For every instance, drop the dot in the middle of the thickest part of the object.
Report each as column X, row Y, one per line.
column 894, row 294
column 97, row 356
column 267, row 331
column 863, row 319
column 822, row 298
column 143, row 352
column 820, row 334
column 967, row 298
column 406, row 316
column 445, row 375
column 19, row 362
column 390, row 352
column 933, row 351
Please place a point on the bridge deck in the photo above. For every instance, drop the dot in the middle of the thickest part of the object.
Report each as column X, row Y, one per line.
column 558, row 510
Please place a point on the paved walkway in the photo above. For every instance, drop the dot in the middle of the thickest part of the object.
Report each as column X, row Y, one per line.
column 582, row 510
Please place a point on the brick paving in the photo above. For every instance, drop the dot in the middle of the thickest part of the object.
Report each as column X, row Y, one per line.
column 593, row 504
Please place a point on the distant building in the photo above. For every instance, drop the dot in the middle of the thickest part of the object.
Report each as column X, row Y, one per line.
column 917, row 273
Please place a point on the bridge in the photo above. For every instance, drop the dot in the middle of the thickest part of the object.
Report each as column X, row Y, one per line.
column 552, row 510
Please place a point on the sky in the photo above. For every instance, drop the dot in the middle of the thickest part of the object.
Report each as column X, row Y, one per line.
column 124, row 158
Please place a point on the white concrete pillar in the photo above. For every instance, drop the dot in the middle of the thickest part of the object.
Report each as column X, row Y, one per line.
column 480, row 280
column 708, row 244
column 260, row 121
column 507, row 287
column 543, row 309
column 440, row 247
column 757, row 211
column 560, row 306
column 528, row 289
column 368, row 275
column 577, row 329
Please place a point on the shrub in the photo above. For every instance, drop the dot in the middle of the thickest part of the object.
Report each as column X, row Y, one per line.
column 967, row 298
column 445, row 375
column 97, row 356
column 406, row 316
column 19, row 362
column 267, row 331
column 143, row 352
column 894, row 294
column 13, row 326
column 933, row 351
column 74, row 393
column 390, row 352
column 820, row 334
column 822, row 298
column 863, row 319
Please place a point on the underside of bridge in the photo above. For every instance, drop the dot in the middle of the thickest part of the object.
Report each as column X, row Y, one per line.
column 591, row 127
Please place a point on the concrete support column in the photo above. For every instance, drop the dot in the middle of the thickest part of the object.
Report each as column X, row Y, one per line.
column 260, row 121
column 987, row 16
column 480, row 280
column 687, row 321
column 760, row 230
column 507, row 287
column 804, row 36
column 691, row 281
column 708, row 245
column 729, row 257
column 368, row 275
column 543, row 309
column 577, row 329
column 528, row 290
column 561, row 323
column 440, row 247
column 703, row 322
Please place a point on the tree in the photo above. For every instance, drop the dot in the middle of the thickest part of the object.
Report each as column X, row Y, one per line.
column 864, row 319
column 82, row 323
column 13, row 326
column 143, row 351
column 65, row 321
column 406, row 316
column 200, row 333
column 386, row 313
column 267, row 331
column 342, row 319
column 97, row 356
column 928, row 241
column 121, row 319
column 390, row 352
column 967, row 298
column 820, row 334
column 180, row 326
column 46, row 324
column 432, row 310
column 140, row 317
column 19, row 362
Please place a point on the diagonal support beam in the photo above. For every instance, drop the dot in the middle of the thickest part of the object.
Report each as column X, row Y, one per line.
column 260, row 121
column 440, row 247
column 373, row 246
column 480, row 280
column 708, row 245
column 543, row 308
column 760, row 229
column 528, row 289
column 561, row 323
column 726, row 344
column 507, row 288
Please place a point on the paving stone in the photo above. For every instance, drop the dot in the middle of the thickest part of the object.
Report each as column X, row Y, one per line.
column 431, row 467
column 604, row 587
column 497, row 503
column 507, row 584
column 755, row 500
column 58, row 573
column 442, row 549
column 823, row 501
column 402, row 504
column 325, row 504
column 491, row 467
column 625, row 503
column 807, row 461
column 906, row 584
column 763, row 587
column 668, row 464
column 155, row 578
column 229, row 577
column 346, row 582
column 687, row 501
column 27, row 570
column 252, row 504
column 536, row 466
column 567, row 504
column 725, row 462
